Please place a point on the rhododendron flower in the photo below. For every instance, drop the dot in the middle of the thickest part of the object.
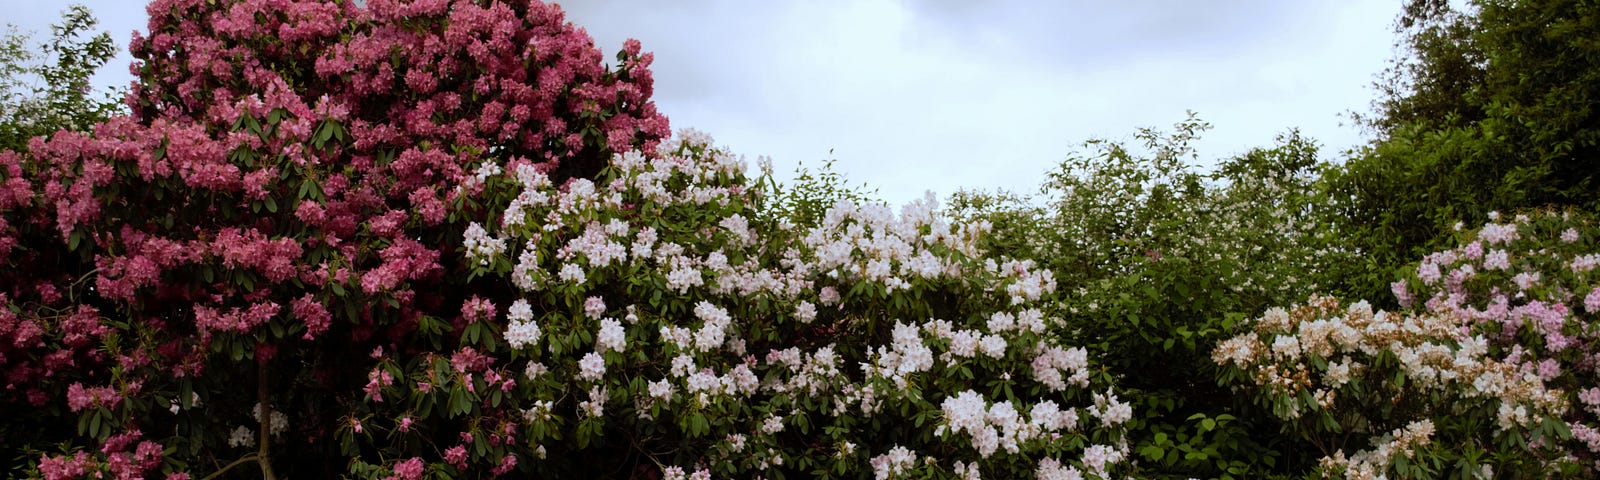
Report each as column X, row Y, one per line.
column 611, row 336
column 894, row 463
column 522, row 334
column 593, row 366
column 595, row 406
column 242, row 436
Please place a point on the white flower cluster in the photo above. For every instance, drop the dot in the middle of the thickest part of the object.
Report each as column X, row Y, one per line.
column 808, row 373
column 1052, row 362
column 1498, row 233
column 907, row 355
column 739, row 381
column 1368, row 464
column 540, row 411
column 647, row 227
column 595, row 406
column 677, row 473
column 611, row 336
column 481, row 247
column 597, row 245
column 1097, row 458
column 893, row 464
column 521, row 331
column 535, row 193
column 242, row 436
column 592, row 366
column 1109, row 410
column 997, row 426
column 481, row 175
column 280, row 422
column 1027, row 282
column 1436, row 357
column 1052, row 469
column 711, row 334
column 868, row 242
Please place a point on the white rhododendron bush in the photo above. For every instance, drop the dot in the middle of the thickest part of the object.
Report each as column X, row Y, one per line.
column 657, row 309
column 1490, row 365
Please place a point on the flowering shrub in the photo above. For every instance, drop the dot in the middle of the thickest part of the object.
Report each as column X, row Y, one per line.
column 1491, row 357
column 1527, row 284
column 1157, row 259
column 206, row 277
column 400, row 239
column 653, row 307
column 1404, row 380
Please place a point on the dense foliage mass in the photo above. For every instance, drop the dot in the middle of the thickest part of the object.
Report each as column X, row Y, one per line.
column 284, row 199
column 1492, row 107
column 1157, row 260
column 412, row 239
column 1492, row 357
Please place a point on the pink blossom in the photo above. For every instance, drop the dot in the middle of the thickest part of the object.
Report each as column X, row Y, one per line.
column 80, row 397
column 456, row 456
column 507, row 463
column 468, row 360
column 410, row 469
column 313, row 314
column 64, row 468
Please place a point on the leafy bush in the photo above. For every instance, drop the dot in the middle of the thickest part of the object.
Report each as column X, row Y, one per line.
column 282, row 201
column 286, row 239
column 1494, row 350
column 656, row 319
column 1157, row 259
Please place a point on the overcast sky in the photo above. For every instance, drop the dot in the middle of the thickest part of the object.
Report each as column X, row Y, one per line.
column 940, row 95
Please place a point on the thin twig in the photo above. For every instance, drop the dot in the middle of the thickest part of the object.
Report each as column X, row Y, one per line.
column 246, row 458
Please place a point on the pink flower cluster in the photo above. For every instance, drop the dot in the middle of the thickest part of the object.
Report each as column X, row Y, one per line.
column 1525, row 282
column 281, row 196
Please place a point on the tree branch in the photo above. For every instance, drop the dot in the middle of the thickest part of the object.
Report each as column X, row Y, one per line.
column 264, row 417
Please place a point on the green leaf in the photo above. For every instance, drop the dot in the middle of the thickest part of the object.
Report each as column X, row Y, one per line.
column 459, row 403
column 1152, row 452
column 94, row 424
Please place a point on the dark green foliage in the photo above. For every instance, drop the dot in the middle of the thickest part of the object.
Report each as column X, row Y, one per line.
column 808, row 197
column 1492, row 107
column 1158, row 259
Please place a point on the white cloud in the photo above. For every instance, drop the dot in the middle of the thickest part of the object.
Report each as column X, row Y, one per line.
column 942, row 95
column 916, row 95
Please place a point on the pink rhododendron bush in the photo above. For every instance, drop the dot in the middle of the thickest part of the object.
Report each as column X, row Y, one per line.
column 442, row 239
column 1490, row 366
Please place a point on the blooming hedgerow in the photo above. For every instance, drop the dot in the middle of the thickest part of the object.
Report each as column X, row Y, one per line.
column 1527, row 284
column 440, row 238
column 1493, row 349
column 1327, row 369
column 286, row 196
column 668, row 320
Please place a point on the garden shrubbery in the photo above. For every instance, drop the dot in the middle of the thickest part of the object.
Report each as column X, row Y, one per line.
column 446, row 239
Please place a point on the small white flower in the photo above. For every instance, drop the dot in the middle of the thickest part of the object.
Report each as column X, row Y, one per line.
column 242, row 437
